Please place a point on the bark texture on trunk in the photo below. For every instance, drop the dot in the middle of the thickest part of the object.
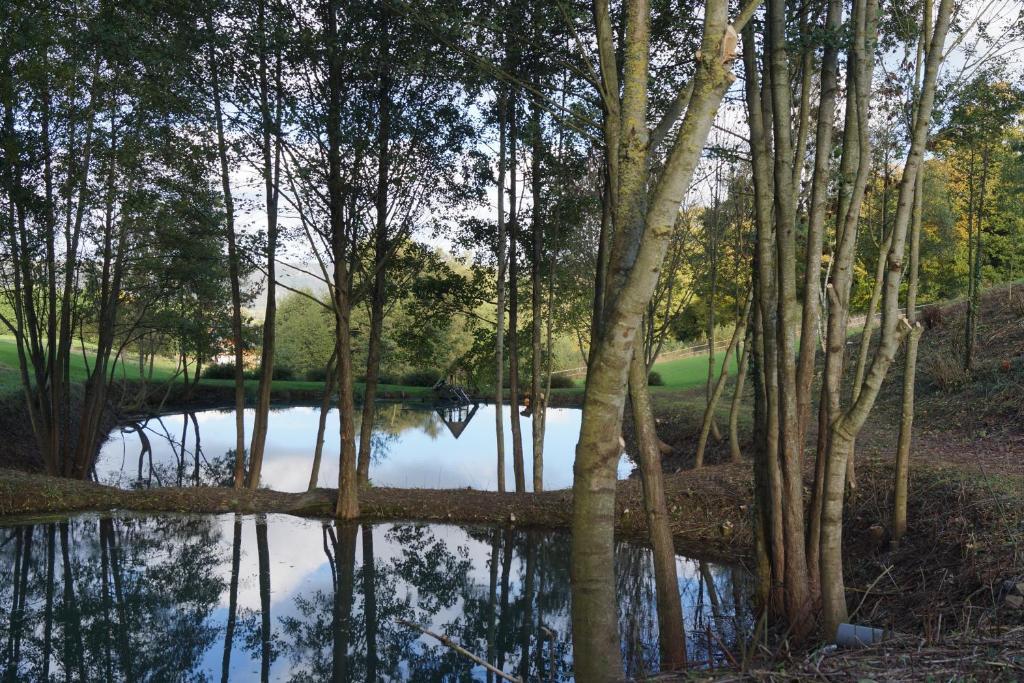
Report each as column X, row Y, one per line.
column 499, row 334
column 537, row 396
column 902, row 483
column 594, row 615
column 894, row 328
column 671, row 632
column 234, row 269
column 270, row 148
column 719, row 387
column 342, row 238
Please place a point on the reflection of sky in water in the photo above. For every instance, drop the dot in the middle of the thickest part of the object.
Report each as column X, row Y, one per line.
column 411, row 448
column 175, row 573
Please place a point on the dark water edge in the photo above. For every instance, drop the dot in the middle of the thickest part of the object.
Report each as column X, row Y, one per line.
column 275, row 597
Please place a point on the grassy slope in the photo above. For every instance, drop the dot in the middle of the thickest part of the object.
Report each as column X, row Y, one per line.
column 682, row 373
column 163, row 370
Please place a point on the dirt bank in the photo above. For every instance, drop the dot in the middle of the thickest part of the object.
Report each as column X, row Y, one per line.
column 708, row 509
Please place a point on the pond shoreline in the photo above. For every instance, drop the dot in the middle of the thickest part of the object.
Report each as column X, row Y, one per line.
column 707, row 509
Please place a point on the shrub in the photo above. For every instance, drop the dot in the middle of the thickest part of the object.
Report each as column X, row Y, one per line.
column 316, row 375
column 283, row 372
column 654, row 380
column 421, row 378
column 562, row 382
column 220, row 371
column 945, row 370
column 933, row 316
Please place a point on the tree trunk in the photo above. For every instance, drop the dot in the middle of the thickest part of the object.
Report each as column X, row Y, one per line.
column 845, row 426
column 499, row 333
column 330, row 382
column 342, row 241
column 974, row 300
column 594, row 615
column 768, row 479
column 234, row 269
column 716, row 392
column 271, row 151
column 737, row 397
column 537, row 396
column 671, row 635
column 518, row 464
column 809, row 321
column 796, row 582
column 380, row 252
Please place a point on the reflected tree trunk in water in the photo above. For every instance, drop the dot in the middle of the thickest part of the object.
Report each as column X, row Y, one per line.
column 122, row 610
column 51, row 547
column 528, row 628
column 321, row 427
column 105, row 587
column 22, row 561
column 369, row 603
column 263, row 552
column 492, row 601
column 505, row 619
column 229, row 628
column 717, row 615
column 345, row 559
column 73, row 649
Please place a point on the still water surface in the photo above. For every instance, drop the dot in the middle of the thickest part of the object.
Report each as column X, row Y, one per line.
column 413, row 447
column 278, row 598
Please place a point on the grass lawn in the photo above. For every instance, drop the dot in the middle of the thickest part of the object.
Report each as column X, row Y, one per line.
column 682, row 373
column 163, row 370
column 686, row 373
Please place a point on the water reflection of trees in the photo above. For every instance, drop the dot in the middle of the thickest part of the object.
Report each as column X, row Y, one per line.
column 101, row 599
column 189, row 465
column 158, row 599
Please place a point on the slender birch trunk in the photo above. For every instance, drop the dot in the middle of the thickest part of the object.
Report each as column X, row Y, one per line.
column 518, row 464
column 537, row 396
column 735, row 452
column 845, row 426
column 594, row 615
column 270, row 148
column 330, row 382
column 671, row 632
column 342, row 247
column 902, row 484
column 716, row 392
column 380, row 253
column 499, row 333
column 234, row 269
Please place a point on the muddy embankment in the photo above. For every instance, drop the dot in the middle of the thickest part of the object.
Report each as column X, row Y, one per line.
column 708, row 512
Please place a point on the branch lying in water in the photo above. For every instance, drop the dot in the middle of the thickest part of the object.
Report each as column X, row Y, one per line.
column 449, row 643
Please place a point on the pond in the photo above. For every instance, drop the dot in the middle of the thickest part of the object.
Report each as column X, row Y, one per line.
column 414, row 446
column 279, row 598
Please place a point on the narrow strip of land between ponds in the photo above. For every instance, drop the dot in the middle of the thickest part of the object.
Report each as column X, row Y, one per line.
column 708, row 509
